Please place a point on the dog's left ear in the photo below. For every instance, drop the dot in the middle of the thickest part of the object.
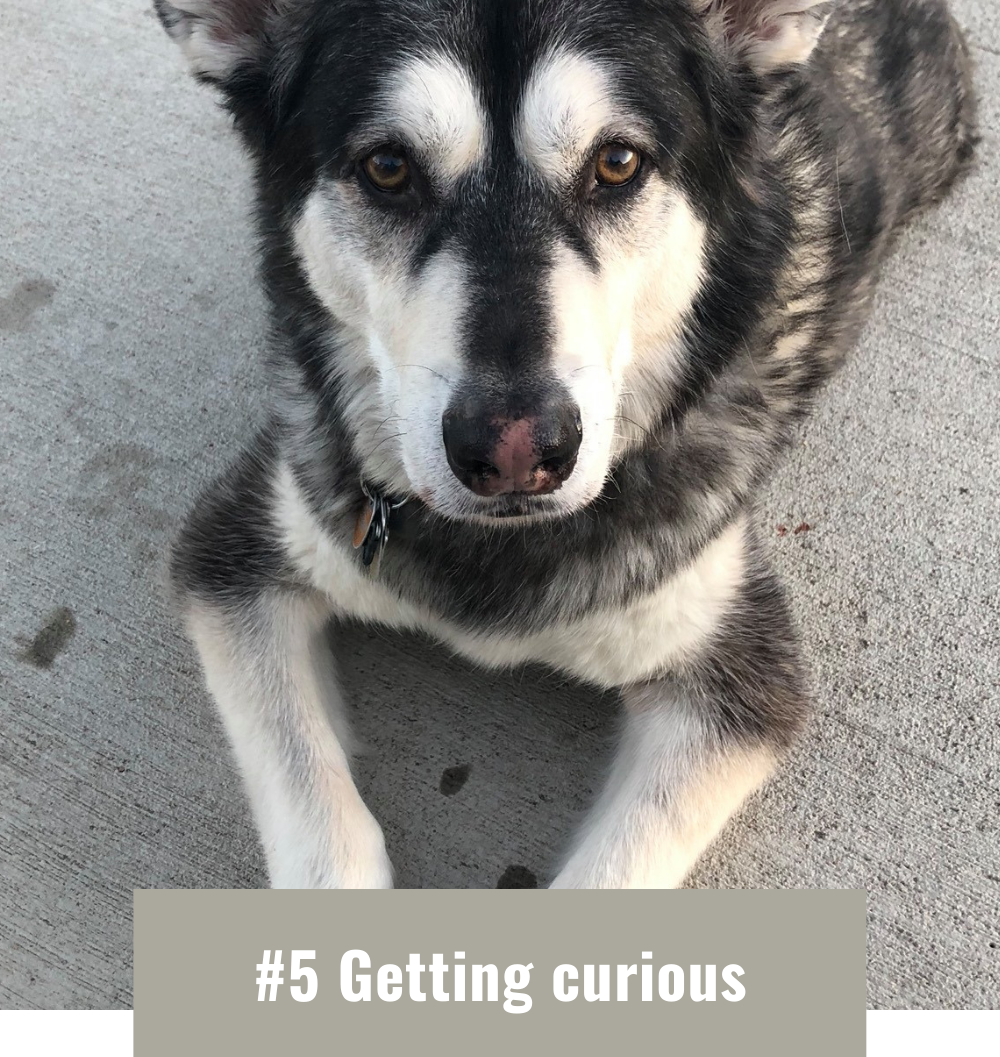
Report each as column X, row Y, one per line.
column 219, row 36
column 768, row 34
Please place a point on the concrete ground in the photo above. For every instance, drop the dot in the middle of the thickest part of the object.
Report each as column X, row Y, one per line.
column 130, row 325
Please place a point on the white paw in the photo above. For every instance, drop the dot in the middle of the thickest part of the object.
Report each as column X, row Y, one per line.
column 353, row 857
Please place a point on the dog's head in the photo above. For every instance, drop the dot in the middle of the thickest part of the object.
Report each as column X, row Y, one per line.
column 507, row 215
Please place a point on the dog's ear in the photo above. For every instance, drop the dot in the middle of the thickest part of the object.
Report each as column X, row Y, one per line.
column 768, row 34
column 218, row 37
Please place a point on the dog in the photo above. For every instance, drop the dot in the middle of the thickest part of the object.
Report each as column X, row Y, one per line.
column 551, row 283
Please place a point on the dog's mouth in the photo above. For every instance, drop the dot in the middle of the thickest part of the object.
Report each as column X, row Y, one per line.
column 510, row 509
column 505, row 510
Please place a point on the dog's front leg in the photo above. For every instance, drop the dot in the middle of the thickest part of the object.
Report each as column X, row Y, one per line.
column 695, row 745
column 271, row 673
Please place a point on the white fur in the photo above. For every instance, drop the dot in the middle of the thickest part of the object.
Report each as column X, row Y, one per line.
column 611, row 648
column 568, row 104
column 331, row 567
column 670, row 792
column 406, row 333
column 618, row 332
column 618, row 646
column 431, row 105
column 270, row 674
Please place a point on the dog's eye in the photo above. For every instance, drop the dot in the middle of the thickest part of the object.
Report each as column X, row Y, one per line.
column 388, row 170
column 616, row 164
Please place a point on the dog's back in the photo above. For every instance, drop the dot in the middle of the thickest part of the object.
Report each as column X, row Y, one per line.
column 874, row 129
column 895, row 91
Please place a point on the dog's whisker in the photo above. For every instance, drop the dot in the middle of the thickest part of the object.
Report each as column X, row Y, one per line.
column 632, row 422
column 384, row 440
column 424, row 367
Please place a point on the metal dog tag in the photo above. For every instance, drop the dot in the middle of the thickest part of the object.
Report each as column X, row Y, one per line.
column 371, row 533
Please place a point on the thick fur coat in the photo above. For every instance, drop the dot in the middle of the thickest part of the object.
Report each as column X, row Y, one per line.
column 686, row 317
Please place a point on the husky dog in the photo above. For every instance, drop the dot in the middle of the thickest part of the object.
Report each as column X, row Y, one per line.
column 551, row 281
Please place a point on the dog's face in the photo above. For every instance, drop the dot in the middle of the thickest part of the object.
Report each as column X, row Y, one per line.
column 506, row 217
column 514, row 261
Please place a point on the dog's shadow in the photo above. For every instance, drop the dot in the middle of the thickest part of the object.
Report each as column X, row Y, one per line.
column 477, row 777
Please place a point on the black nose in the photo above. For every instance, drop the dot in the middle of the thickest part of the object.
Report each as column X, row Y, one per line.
column 499, row 453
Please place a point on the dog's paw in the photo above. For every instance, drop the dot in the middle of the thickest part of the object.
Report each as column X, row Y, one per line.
column 353, row 857
column 616, row 872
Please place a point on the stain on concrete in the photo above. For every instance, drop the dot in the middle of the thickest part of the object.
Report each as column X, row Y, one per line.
column 51, row 640
column 206, row 301
column 18, row 308
column 517, row 877
column 113, row 479
column 454, row 778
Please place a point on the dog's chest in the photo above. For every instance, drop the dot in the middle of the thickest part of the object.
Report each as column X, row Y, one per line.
column 609, row 647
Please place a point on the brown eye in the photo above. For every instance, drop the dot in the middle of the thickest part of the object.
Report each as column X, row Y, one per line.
column 388, row 170
column 616, row 164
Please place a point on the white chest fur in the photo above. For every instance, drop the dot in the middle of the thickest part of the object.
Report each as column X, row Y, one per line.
column 610, row 647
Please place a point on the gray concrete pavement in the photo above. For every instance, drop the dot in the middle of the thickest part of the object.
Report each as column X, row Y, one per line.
column 129, row 326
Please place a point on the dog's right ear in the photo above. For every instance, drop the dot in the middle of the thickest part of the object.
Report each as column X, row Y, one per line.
column 218, row 37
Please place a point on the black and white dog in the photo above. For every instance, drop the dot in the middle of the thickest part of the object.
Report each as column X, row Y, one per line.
column 550, row 283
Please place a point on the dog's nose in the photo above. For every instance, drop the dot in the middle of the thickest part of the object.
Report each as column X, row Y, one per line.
column 529, row 454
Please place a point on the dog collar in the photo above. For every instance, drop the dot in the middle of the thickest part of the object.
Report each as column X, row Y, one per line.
column 371, row 530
